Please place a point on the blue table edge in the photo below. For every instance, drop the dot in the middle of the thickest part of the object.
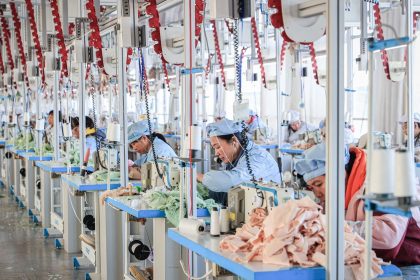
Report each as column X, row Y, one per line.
column 317, row 272
column 90, row 186
column 148, row 213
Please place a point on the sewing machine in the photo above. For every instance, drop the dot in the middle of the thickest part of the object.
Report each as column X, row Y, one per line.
column 108, row 159
column 246, row 197
column 150, row 177
column 312, row 137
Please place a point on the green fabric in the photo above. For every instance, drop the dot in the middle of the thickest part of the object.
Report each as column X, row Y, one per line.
column 21, row 139
column 46, row 150
column 102, row 175
column 74, row 154
column 169, row 202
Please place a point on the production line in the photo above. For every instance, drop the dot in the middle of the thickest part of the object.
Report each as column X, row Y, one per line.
column 209, row 139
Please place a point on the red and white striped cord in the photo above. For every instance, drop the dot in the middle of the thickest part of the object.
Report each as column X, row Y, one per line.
column 6, row 37
column 314, row 62
column 1, row 61
column 17, row 24
column 127, row 64
column 154, row 23
column 380, row 36
column 218, row 53
column 35, row 37
column 60, row 36
column 95, row 40
column 258, row 48
column 283, row 53
column 415, row 18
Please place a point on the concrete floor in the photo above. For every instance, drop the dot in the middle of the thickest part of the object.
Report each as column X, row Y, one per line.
column 24, row 252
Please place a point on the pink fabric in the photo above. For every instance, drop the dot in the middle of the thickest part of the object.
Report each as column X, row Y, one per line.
column 294, row 234
column 388, row 230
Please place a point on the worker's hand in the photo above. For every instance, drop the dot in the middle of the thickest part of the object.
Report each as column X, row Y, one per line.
column 200, row 177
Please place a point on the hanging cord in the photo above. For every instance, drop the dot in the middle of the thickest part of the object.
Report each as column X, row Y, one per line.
column 60, row 36
column 238, row 92
column 283, row 53
column 97, row 142
column 143, row 77
column 95, row 40
column 219, row 53
column 258, row 47
column 6, row 37
column 61, row 123
column 380, row 36
column 17, row 25
column 314, row 62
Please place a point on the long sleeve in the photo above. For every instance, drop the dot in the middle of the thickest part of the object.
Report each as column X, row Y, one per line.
column 262, row 164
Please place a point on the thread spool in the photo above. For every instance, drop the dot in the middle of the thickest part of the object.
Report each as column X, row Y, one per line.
column 194, row 138
column 224, row 220
column 405, row 182
column 382, row 175
column 89, row 222
column 139, row 250
column 214, row 222
column 26, row 118
column 67, row 130
column 40, row 124
column 191, row 226
column 113, row 132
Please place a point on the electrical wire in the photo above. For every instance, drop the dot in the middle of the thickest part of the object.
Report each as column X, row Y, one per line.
column 191, row 277
column 238, row 93
column 143, row 78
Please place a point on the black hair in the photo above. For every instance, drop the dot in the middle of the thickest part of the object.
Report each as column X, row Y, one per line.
column 60, row 117
column 74, row 122
column 157, row 135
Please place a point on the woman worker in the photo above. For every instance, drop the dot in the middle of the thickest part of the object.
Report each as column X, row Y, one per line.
column 226, row 139
column 92, row 134
column 395, row 238
column 297, row 127
column 140, row 140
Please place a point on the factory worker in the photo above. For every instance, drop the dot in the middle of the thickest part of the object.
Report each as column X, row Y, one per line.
column 139, row 139
column 395, row 238
column 256, row 125
column 49, row 131
column 403, row 121
column 225, row 138
column 92, row 134
column 297, row 127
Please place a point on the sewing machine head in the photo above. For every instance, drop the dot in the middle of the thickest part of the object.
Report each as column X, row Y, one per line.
column 151, row 176
column 248, row 196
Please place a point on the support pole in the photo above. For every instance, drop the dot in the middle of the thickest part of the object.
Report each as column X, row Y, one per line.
column 335, row 141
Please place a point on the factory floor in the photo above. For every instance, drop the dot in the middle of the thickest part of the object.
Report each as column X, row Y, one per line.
column 24, row 252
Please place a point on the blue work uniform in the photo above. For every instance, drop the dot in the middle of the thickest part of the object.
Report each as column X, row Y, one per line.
column 256, row 124
column 293, row 136
column 262, row 164
column 162, row 149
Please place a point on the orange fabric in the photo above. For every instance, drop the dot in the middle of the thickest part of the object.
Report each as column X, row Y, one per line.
column 357, row 175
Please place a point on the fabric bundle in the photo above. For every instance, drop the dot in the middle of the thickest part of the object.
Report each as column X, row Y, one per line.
column 293, row 234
